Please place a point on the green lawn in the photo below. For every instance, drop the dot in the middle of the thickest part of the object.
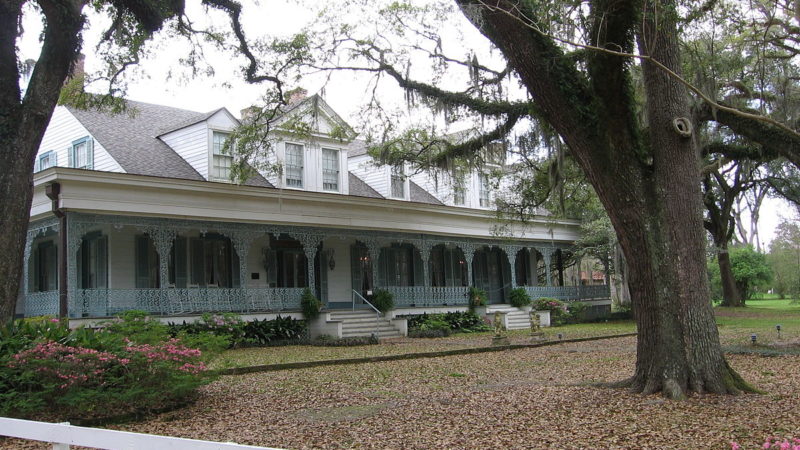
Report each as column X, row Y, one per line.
column 735, row 327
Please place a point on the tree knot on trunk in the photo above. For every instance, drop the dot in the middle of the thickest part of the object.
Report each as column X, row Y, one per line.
column 682, row 126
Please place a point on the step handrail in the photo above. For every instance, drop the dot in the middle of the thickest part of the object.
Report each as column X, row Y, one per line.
column 377, row 311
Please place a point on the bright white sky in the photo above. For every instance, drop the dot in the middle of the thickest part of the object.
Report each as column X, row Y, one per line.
column 153, row 81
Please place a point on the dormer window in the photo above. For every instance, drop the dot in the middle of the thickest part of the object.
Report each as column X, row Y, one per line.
column 46, row 160
column 330, row 169
column 81, row 154
column 294, row 165
column 398, row 182
column 222, row 161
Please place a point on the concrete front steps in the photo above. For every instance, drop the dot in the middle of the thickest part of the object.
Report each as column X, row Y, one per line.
column 516, row 318
column 362, row 323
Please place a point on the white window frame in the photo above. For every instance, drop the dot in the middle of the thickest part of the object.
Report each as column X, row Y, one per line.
column 287, row 166
column 397, row 172
column 484, row 196
column 217, row 155
column 335, row 172
column 48, row 156
column 88, row 146
column 459, row 193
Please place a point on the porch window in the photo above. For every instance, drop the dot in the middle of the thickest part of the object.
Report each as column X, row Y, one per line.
column 399, row 265
column 221, row 160
column 285, row 263
column 212, row 261
column 46, row 160
column 81, row 154
column 448, row 267
column 483, row 181
column 398, row 181
column 294, row 165
column 330, row 169
column 93, row 261
column 147, row 268
column 45, row 267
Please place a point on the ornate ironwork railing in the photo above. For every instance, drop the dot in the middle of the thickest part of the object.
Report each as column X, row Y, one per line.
column 405, row 296
column 108, row 302
column 41, row 304
column 569, row 293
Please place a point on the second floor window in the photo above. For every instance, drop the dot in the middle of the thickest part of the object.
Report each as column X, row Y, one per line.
column 81, row 154
column 458, row 195
column 294, row 165
column 46, row 160
column 330, row 169
column 222, row 160
column 483, row 180
column 398, row 182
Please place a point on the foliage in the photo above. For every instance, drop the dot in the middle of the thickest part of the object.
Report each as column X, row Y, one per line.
column 477, row 297
column 576, row 312
column 558, row 310
column 137, row 327
column 215, row 332
column 518, row 297
column 784, row 259
column 383, row 301
column 462, row 322
column 310, row 305
column 750, row 270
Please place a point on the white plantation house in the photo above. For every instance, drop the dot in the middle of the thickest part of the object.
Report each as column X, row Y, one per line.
column 138, row 212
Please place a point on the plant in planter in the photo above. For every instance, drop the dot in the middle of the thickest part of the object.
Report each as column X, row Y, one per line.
column 310, row 305
column 518, row 298
column 383, row 301
column 477, row 297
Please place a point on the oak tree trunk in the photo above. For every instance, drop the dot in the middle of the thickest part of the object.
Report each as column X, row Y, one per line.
column 731, row 296
column 649, row 186
column 22, row 125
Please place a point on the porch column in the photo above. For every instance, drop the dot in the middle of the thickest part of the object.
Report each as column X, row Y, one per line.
column 310, row 243
column 374, row 249
column 511, row 254
column 162, row 240
column 75, row 231
column 25, row 262
column 560, row 265
column 425, row 247
column 578, row 283
column 242, row 240
column 469, row 255
column 546, row 255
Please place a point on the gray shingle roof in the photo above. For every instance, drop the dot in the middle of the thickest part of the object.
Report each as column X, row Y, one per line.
column 357, row 147
column 359, row 188
column 417, row 194
column 132, row 141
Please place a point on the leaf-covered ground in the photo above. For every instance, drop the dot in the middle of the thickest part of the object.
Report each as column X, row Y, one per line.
column 527, row 398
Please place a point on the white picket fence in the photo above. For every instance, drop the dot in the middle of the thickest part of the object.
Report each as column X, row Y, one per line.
column 62, row 435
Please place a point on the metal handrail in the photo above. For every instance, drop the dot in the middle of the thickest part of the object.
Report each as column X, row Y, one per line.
column 377, row 311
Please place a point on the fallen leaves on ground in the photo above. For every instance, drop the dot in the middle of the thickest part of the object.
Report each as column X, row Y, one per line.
column 526, row 398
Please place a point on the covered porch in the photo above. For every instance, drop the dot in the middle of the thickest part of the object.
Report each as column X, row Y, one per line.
column 175, row 267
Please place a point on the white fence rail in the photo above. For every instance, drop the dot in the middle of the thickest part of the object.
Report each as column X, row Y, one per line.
column 62, row 435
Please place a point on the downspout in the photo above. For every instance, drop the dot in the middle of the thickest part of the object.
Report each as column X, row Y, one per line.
column 53, row 191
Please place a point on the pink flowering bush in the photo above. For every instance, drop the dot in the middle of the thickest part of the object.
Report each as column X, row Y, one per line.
column 129, row 367
column 774, row 442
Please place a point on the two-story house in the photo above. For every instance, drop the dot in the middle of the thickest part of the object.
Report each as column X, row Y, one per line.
column 139, row 211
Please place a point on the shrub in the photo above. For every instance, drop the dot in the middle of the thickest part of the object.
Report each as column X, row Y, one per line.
column 558, row 311
column 477, row 297
column 453, row 321
column 519, row 297
column 210, row 333
column 310, row 305
column 576, row 312
column 79, row 382
column 136, row 327
column 383, row 301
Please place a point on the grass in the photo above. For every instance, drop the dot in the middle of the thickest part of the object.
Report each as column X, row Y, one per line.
column 759, row 317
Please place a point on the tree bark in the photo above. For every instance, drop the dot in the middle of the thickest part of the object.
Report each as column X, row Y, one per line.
column 22, row 125
column 730, row 291
column 649, row 188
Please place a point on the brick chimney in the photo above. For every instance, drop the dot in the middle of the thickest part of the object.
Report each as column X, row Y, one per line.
column 296, row 95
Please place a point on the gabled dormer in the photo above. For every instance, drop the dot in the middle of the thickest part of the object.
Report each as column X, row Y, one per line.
column 200, row 142
column 310, row 147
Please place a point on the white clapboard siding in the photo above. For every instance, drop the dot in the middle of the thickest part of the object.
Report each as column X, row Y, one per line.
column 66, row 434
column 192, row 143
column 64, row 128
column 377, row 177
